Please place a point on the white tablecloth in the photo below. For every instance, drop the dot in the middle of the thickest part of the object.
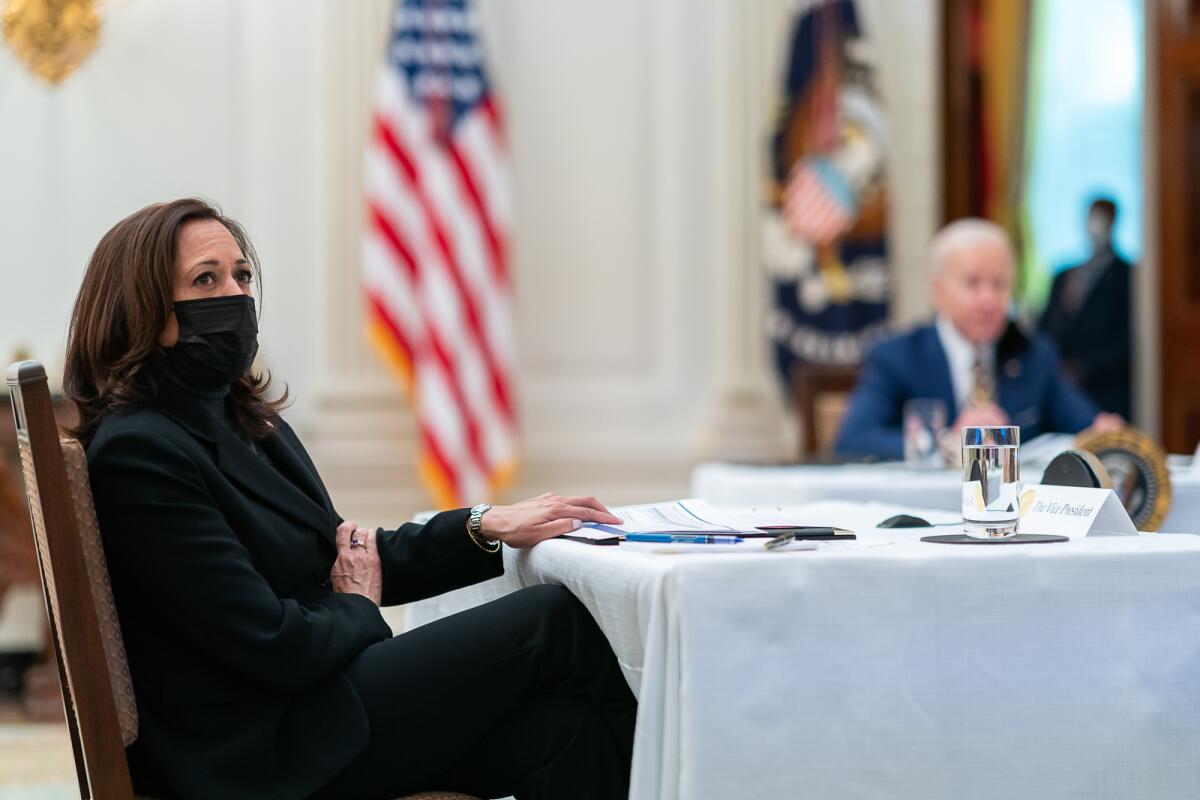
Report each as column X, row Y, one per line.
column 743, row 484
column 891, row 668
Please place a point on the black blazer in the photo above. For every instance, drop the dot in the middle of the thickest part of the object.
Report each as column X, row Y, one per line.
column 1096, row 340
column 220, row 560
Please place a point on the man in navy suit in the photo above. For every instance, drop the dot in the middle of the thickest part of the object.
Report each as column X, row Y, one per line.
column 973, row 358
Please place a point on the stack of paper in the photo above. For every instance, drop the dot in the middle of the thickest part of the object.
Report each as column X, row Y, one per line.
column 690, row 516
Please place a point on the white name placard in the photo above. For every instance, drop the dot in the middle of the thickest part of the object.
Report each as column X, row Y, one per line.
column 1073, row 512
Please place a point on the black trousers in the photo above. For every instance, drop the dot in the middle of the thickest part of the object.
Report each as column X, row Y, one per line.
column 522, row 696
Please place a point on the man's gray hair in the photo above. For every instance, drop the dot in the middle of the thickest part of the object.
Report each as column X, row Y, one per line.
column 964, row 234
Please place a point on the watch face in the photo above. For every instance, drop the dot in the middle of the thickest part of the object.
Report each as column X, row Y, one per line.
column 1138, row 470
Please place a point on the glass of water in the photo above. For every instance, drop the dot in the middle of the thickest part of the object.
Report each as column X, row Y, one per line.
column 991, row 490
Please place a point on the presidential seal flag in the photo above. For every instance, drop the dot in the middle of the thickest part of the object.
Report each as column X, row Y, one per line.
column 825, row 233
column 435, row 271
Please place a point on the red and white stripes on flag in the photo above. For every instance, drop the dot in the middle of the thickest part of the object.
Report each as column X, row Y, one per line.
column 436, row 277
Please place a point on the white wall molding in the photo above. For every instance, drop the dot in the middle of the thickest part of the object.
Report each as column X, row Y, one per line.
column 361, row 433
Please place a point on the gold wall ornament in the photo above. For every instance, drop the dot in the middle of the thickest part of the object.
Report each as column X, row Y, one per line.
column 52, row 37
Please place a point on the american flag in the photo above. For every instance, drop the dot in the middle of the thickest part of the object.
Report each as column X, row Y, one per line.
column 435, row 269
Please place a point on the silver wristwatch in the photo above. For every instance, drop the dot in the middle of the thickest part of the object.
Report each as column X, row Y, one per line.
column 475, row 523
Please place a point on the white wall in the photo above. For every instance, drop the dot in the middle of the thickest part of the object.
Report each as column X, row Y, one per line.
column 180, row 98
column 907, row 35
column 636, row 131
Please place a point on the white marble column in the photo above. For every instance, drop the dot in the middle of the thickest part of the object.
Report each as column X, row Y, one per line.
column 744, row 419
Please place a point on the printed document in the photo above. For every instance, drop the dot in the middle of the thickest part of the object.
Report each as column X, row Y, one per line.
column 678, row 516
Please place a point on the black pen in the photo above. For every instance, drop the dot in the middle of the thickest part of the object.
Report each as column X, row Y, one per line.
column 787, row 535
column 798, row 530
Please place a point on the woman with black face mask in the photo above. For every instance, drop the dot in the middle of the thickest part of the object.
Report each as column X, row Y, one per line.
column 250, row 609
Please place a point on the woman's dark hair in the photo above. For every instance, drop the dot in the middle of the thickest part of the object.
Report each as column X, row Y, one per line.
column 122, row 308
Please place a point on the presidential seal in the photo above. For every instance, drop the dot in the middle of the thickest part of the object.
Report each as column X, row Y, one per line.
column 1138, row 469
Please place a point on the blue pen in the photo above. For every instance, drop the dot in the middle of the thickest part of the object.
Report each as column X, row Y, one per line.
column 683, row 538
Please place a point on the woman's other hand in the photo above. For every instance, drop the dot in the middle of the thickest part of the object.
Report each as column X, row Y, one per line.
column 357, row 569
column 530, row 521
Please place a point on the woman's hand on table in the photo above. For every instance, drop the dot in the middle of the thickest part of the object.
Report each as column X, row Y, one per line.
column 357, row 569
column 528, row 522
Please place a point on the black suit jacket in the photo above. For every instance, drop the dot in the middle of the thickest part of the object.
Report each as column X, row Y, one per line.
column 220, row 561
column 1095, row 342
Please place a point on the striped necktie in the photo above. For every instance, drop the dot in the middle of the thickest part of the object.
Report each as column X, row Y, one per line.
column 983, row 389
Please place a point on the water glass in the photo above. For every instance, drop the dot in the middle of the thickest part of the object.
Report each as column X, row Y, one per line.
column 924, row 422
column 991, row 490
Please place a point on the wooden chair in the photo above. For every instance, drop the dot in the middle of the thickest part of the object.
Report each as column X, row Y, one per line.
column 820, row 392
column 97, row 689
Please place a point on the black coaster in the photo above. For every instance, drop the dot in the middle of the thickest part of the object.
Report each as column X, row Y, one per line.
column 1020, row 538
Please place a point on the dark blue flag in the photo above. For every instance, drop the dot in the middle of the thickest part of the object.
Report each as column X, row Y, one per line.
column 825, row 229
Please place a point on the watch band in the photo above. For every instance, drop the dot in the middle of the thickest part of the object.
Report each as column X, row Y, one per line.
column 475, row 529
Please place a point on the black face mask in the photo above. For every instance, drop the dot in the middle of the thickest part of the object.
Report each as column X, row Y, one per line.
column 218, row 339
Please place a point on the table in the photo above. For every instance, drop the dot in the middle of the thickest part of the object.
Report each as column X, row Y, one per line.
column 745, row 484
column 887, row 667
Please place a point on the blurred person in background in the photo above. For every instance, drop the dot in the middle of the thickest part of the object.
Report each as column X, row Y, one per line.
column 1089, row 314
column 973, row 357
